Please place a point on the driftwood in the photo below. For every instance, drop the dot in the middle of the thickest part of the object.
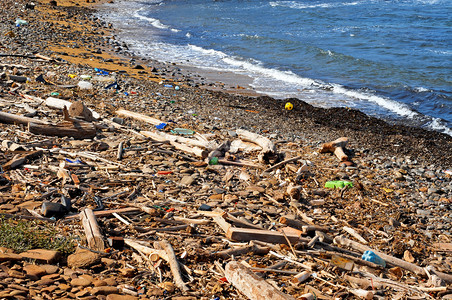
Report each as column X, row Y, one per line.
column 193, row 150
column 165, row 137
column 252, row 248
column 92, row 232
column 153, row 254
column 76, row 129
column 249, row 234
column 336, row 147
column 16, row 119
column 174, row 265
column 251, row 285
column 340, row 240
column 282, row 163
column 138, row 116
column 268, row 148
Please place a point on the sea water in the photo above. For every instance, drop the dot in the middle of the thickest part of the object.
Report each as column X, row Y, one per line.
column 388, row 58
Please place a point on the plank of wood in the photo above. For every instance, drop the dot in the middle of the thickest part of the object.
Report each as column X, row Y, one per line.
column 92, row 231
column 248, row 234
column 251, row 285
column 103, row 213
column 447, row 247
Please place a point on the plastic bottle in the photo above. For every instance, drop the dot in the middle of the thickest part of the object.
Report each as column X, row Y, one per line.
column 85, row 85
column 369, row 255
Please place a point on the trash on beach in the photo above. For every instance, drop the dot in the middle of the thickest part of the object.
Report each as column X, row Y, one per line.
column 20, row 22
column 85, row 85
column 338, row 184
column 183, row 131
column 288, row 106
column 161, row 126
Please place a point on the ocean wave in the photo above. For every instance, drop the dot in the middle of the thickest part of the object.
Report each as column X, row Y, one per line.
column 439, row 125
column 298, row 5
column 154, row 22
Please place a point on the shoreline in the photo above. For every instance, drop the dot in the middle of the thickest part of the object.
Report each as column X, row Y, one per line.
column 100, row 50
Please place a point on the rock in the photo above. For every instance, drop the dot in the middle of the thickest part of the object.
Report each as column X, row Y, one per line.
column 48, row 256
column 121, row 297
column 50, row 269
column 187, row 180
column 407, row 256
column 83, row 258
column 80, row 281
column 110, row 281
column 108, row 262
column 34, row 270
column 64, row 287
column 104, row 290
column 99, row 283
column 9, row 257
column 127, row 272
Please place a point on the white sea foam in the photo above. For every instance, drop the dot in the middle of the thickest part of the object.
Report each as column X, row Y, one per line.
column 298, row 5
column 391, row 105
column 438, row 125
column 154, row 22
column 421, row 89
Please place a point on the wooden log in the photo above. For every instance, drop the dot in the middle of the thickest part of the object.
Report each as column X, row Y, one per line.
column 174, row 265
column 193, row 150
column 92, row 231
column 340, row 240
column 138, row 116
column 77, row 129
column 267, row 146
column 16, row 119
column 282, row 163
column 251, row 285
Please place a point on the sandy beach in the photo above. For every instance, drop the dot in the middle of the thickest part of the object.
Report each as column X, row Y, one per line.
column 401, row 175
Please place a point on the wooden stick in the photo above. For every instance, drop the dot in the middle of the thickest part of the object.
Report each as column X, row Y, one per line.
column 138, row 116
column 193, row 150
column 100, row 213
column 92, row 232
column 354, row 234
column 340, row 240
column 151, row 252
column 16, row 119
column 239, row 163
column 282, row 163
column 174, row 265
column 252, row 248
column 251, row 285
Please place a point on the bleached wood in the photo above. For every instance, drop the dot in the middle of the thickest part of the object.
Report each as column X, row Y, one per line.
column 251, row 285
column 92, row 231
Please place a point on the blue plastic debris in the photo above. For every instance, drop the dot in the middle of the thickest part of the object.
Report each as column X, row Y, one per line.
column 161, row 126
